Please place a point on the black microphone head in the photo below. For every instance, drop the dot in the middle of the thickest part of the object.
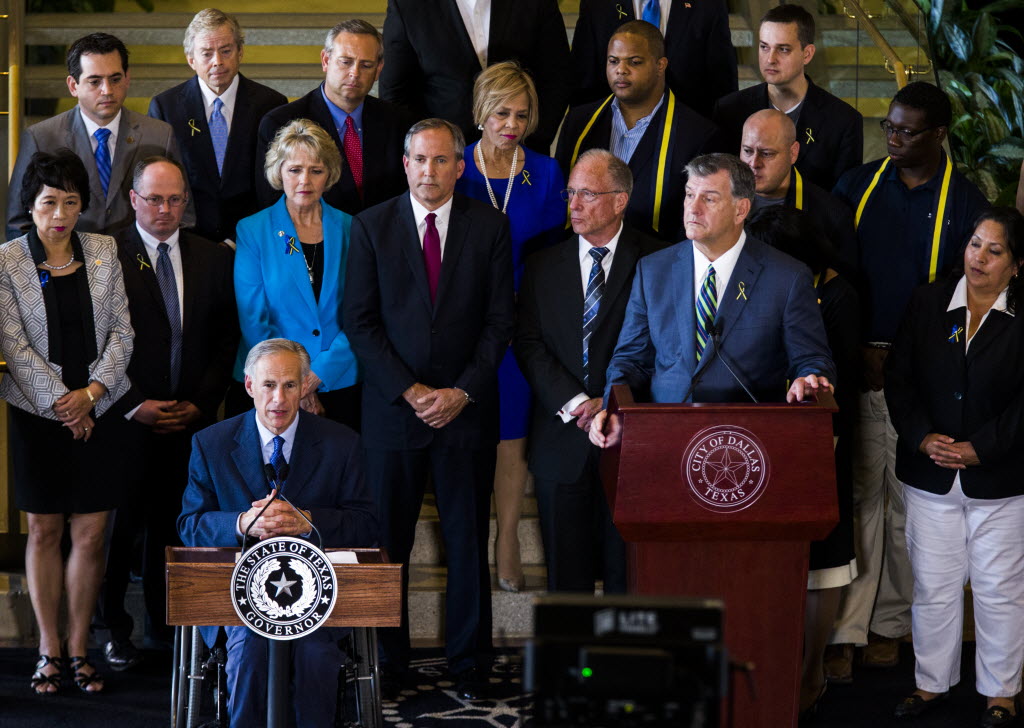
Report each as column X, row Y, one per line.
column 268, row 471
column 716, row 329
column 283, row 473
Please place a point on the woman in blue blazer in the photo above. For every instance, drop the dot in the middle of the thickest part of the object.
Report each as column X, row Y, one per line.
column 290, row 270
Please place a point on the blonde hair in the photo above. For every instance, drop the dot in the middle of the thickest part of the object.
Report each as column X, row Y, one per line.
column 207, row 21
column 302, row 134
column 499, row 84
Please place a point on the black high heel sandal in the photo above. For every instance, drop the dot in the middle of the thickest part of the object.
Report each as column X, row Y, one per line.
column 40, row 678
column 84, row 679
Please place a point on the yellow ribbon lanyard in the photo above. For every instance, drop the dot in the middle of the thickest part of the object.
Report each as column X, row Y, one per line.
column 666, row 135
column 940, row 211
column 800, row 196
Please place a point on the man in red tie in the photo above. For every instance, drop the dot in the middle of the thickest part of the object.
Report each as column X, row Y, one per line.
column 428, row 311
column 363, row 127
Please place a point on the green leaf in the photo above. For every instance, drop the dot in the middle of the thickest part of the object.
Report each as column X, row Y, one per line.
column 984, row 35
column 1011, row 148
column 935, row 16
column 958, row 41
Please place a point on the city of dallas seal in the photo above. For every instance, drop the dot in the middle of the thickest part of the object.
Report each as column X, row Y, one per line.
column 283, row 588
column 725, row 467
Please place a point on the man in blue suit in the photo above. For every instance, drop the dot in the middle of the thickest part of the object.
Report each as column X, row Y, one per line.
column 719, row 298
column 227, row 489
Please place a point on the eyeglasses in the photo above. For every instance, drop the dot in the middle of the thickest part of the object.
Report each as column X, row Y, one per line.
column 587, row 195
column 157, row 201
column 904, row 134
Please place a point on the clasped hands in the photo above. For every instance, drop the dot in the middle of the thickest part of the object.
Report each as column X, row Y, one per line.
column 281, row 519
column 166, row 416
column 73, row 410
column 947, row 453
column 436, row 407
column 309, row 401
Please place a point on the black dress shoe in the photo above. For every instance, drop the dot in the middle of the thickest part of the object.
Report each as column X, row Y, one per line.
column 914, row 705
column 471, row 684
column 997, row 716
column 121, row 655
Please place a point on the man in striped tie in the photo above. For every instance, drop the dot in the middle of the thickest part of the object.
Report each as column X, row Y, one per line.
column 571, row 304
column 109, row 138
column 720, row 316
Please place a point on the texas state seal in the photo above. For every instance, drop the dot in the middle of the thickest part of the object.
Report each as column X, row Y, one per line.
column 283, row 588
column 726, row 468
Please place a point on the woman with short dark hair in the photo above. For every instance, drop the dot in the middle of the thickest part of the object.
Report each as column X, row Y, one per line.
column 67, row 340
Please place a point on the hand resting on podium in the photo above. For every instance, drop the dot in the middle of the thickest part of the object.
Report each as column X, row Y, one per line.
column 281, row 519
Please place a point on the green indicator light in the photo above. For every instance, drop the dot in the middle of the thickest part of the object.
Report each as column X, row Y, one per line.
column 586, row 672
column 629, row 707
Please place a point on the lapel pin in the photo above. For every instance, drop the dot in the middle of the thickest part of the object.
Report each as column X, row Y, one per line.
column 742, row 291
column 954, row 337
column 44, row 278
column 622, row 13
column 192, row 125
column 142, row 262
column 130, row 140
column 810, row 135
column 526, row 179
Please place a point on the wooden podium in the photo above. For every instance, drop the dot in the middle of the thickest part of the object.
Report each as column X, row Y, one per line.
column 369, row 596
column 721, row 501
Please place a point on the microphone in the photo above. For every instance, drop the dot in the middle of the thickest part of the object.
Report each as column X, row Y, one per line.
column 275, row 485
column 705, row 362
column 716, row 337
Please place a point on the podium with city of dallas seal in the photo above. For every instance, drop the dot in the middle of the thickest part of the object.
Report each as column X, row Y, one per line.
column 282, row 588
column 721, row 501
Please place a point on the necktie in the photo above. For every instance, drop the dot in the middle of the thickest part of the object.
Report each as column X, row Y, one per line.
column 353, row 153
column 707, row 306
column 591, row 305
column 432, row 255
column 652, row 13
column 169, row 291
column 103, row 157
column 277, row 460
column 219, row 133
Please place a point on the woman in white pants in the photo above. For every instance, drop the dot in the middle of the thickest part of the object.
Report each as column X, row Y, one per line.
column 955, row 391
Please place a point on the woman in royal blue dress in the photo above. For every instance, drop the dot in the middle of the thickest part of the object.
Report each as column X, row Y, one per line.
column 526, row 186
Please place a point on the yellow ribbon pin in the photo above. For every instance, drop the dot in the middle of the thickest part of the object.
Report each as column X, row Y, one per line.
column 955, row 336
column 192, row 125
column 142, row 262
column 526, row 179
column 622, row 13
column 810, row 135
column 291, row 246
column 743, row 291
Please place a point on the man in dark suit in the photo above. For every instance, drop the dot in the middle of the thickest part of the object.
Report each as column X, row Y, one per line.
column 227, row 488
column 428, row 311
column 571, row 304
column 698, row 45
column 830, row 131
column 435, row 48
column 181, row 300
column 369, row 132
column 770, row 149
column 719, row 298
column 215, row 116
column 644, row 125
column 108, row 138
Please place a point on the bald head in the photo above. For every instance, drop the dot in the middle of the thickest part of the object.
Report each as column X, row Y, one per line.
column 770, row 149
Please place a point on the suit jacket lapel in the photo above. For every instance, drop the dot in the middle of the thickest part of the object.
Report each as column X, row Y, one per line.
column 685, row 302
column 462, row 32
column 626, row 254
column 335, row 252
column 293, row 262
column 195, row 108
column 248, row 457
column 137, row 252
column 954, row 331
column 189, row 272
column 458, row 228
column 568, row 295
column 990, row 331
column 239, row 135
column 744, row 276
column 304, row 460
column 82, row 146
column 412, row 247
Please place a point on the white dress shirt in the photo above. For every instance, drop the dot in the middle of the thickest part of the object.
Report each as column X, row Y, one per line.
column 444, row 212
column 91, row 126
column 586, row 264
column 666, row 6
column 476, row 14
column 227, row 98
column 724, row 266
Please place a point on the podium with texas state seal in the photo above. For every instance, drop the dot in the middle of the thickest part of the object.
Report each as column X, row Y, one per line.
column 722, row 501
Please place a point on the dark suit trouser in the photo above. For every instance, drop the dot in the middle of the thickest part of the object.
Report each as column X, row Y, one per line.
column 316, row 661
column 463, row 479
column 581, row 544
column 150, row 510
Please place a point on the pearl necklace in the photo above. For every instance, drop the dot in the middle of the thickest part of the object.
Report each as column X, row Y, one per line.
column 487, row 180
column 61, row 267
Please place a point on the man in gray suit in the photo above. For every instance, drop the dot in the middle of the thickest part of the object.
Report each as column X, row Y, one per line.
column 109, row 138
